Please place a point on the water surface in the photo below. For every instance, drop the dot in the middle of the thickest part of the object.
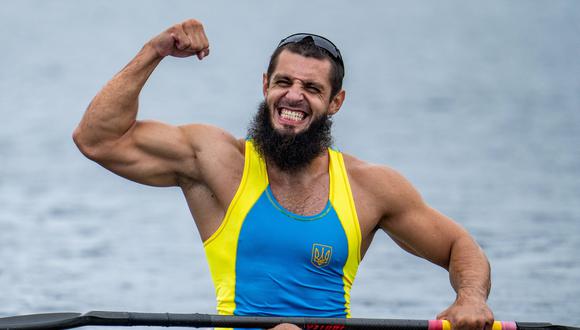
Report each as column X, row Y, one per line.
column 477, row 104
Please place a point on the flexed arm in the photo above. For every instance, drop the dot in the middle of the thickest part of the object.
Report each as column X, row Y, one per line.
column 145, row 151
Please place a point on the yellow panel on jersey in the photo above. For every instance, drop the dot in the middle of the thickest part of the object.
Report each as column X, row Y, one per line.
column 221, row 247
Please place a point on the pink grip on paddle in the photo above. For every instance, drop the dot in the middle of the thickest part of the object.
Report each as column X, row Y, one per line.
column 504, row 325
column 439, row 325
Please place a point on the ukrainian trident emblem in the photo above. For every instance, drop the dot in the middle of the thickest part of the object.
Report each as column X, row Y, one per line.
column 321, row 255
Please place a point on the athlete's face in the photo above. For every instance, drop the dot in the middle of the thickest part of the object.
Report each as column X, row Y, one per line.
column 298, row 92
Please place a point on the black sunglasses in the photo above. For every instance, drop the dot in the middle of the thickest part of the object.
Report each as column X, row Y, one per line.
column 319, row 41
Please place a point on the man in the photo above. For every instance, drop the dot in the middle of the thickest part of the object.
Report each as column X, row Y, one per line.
column 285, row 220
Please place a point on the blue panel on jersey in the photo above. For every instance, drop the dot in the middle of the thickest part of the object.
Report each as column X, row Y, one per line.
column 290, row 265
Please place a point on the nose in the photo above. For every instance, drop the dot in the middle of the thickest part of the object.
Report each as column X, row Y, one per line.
column 294, row 93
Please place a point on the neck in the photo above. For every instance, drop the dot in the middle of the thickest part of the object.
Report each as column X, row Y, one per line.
column 304, row 191
column 317, row 168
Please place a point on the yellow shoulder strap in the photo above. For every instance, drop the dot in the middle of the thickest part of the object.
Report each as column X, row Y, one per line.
column 343, row 203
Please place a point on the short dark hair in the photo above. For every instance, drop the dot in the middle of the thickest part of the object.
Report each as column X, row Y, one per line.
column 309, row 49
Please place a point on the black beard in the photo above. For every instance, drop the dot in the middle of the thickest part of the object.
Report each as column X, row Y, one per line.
column 289, row 152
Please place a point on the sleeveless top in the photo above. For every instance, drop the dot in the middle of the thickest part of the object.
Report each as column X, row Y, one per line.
column 267, row 261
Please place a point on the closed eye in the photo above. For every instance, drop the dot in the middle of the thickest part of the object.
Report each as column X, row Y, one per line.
column 312, row 89
column 282, row 82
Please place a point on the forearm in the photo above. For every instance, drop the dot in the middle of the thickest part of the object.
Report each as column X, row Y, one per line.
column 469, row 270
column 114, row 109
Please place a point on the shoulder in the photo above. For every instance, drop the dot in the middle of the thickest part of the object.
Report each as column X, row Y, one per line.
column 215, row 152
column 203, row 136
column 373, row 175
column 380, row 185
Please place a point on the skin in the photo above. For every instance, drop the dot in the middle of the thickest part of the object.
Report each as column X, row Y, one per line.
column 207, row 163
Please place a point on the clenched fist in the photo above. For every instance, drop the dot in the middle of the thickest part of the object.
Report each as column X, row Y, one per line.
column 182, row 40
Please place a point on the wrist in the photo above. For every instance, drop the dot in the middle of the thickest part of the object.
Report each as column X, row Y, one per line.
column 471, row 295
column 151, row 52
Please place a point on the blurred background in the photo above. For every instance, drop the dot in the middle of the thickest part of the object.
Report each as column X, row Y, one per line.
column 476, row 103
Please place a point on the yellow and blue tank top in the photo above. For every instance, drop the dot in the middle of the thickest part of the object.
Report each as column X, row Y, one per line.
column 265, row 260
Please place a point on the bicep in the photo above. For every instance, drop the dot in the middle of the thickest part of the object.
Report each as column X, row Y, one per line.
column 158, row 154
column 420, row 229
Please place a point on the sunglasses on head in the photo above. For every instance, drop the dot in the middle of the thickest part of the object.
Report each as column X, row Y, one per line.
column 319, row 41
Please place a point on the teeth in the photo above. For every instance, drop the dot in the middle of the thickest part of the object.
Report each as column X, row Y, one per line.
column 292, row 115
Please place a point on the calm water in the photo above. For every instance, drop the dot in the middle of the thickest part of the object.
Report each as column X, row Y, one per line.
column 477, row 104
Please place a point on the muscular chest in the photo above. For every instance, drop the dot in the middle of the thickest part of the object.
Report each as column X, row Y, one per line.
column 305, row 200
column 312, row 199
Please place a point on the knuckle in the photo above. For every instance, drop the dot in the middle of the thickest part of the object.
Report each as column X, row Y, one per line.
column 192, row 24
column 172, row 29
column 475, row 323
column 463, row 323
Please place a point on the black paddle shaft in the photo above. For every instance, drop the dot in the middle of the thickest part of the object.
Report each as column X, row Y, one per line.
column 103, row 318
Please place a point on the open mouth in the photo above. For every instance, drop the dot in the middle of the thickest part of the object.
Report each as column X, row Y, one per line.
column 292, row 115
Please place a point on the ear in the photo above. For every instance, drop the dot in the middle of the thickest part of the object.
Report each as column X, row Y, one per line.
column 336, row 102
column 265, row 84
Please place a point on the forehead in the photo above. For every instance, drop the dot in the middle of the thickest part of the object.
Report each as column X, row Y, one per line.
column 303, row 68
